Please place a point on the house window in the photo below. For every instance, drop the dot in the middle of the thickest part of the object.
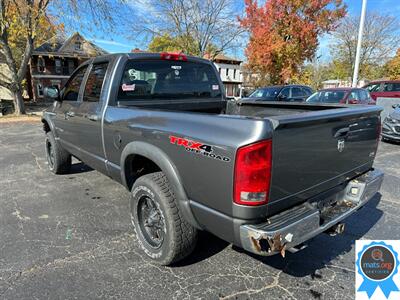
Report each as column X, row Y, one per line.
column 40, row 65
column 219, row 71
column 78, row 45
column 58, row 66
column 39, row 87
column 71, row 66
column 227, row 73
column 234, row 73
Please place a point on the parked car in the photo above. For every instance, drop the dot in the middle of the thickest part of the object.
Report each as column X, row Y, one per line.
column 341, row 95
column 384, row 88
column 391, row 125
column 289, row 93
column 265, row 176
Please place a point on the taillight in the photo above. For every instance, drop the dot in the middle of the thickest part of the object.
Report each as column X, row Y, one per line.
column 173, row 56
column 253, row 173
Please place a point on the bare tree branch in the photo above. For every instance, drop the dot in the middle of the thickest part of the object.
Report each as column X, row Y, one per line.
column 381, row 38
column 208, row 24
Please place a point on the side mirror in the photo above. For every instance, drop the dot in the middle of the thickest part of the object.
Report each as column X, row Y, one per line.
column 395, row 106
column 282, row 97
column 52, row 92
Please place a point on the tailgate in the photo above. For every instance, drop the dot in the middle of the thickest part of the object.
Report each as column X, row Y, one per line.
column 314, row 152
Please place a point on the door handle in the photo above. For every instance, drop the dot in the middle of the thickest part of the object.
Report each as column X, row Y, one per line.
column 92, row 117
column 342, row 132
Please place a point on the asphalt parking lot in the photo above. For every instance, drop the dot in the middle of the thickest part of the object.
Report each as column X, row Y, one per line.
column 70, row 237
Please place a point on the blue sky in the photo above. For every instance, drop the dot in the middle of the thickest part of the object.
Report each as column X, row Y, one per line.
column 121, row 42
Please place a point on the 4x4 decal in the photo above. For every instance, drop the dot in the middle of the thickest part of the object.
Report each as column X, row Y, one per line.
column 197, row 147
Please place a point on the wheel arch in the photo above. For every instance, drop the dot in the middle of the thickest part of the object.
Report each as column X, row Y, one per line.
column 47, row 125
column 161, row 160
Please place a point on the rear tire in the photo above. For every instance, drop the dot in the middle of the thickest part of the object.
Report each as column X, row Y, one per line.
column 58, row 159
column 164, row 235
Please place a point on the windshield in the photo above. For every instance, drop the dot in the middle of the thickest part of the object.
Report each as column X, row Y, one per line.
column 327, row 96
column 165, row 79
column 271, row 92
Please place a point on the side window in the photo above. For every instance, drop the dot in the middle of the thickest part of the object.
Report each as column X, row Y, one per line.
column 308, row 91
column 285, row 92
column 297, row 92
column 388, row 87
column 363, row 95
column 396, row 87
column 71, row 89
column 94, row 82
column 354, row 96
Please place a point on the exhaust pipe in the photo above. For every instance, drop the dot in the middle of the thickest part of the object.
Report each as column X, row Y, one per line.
column 336, row 229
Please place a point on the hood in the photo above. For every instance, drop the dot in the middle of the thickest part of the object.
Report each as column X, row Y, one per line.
column 395, row 114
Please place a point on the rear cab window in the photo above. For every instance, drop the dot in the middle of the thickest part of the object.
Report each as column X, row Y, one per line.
column 163, row 80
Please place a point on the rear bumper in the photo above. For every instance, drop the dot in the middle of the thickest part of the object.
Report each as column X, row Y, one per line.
column 301, row 223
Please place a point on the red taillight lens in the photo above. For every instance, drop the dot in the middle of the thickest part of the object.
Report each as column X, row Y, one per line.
column 253, row 173
column 173, row 56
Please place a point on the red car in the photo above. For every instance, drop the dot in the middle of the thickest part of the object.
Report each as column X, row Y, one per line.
column 384, row 88
column 345, row 95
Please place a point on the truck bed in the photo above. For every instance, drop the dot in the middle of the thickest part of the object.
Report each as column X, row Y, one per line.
column 306, row 137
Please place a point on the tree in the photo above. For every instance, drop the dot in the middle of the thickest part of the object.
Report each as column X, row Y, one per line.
column 392, row 67
column 196, row 27
column 284, row 33
column 164, row 43
column 186, row 44
column 380, row 37
column 312, row 74
column 21, row 22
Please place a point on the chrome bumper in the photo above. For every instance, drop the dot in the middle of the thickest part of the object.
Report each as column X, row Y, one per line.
column 299, row 224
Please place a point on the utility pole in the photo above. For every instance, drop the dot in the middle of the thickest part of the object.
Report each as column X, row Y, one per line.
column 359, row 42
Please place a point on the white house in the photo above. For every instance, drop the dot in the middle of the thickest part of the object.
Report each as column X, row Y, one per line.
column 230, row 70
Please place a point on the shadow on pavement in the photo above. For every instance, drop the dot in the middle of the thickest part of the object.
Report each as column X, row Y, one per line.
column 389, row 141
column 207, row 246
column 79, row 168
column 320, row 251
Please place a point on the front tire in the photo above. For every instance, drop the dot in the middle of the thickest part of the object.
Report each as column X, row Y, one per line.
column 58, row 159
column 164, row 235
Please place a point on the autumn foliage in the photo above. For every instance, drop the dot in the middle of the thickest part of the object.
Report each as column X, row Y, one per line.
column 284, row 34
column 44, row 29
column 393, row 67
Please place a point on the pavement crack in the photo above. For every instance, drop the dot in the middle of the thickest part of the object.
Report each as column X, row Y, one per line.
column 36, row 158
column 252, row 291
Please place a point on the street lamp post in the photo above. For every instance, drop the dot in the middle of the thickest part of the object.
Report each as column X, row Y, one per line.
column 359, row 42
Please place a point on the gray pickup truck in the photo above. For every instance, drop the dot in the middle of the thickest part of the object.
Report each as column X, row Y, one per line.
column 265, row 176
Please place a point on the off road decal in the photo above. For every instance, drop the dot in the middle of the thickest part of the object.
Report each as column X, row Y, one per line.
column 197, row 148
